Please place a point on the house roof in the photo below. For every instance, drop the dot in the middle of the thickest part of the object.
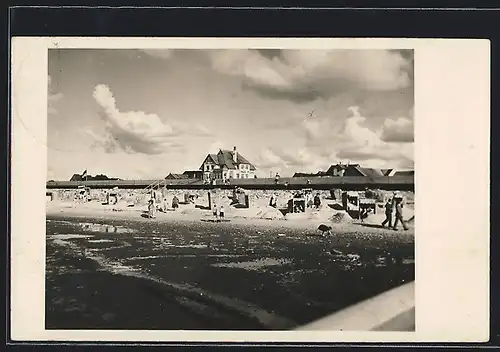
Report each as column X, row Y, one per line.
column 76, row 177
column 175, row 176
column 191, row 171
column 368, row 172
column 405, row 173
column 363, row 171
column 341, row 166
column 213, row 157
column 224, row 158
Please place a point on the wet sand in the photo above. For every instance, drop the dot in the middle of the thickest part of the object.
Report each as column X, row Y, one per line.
column 117, row 270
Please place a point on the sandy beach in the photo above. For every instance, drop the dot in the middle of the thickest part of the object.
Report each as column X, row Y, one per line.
column 111, row 266
column 258, row 215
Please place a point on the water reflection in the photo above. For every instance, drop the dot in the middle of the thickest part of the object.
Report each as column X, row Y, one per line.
column 380, row 260
column 94, row 227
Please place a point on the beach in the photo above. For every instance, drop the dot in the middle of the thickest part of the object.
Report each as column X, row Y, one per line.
column 110, row 267
column 257, row 214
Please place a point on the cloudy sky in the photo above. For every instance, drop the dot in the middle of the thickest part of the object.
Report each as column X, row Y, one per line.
column 145, row 113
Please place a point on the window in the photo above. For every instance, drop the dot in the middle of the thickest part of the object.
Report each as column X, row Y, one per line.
column 237, row 175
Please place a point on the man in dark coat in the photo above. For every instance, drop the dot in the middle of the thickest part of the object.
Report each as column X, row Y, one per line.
column 399, row 214
column 388, row 213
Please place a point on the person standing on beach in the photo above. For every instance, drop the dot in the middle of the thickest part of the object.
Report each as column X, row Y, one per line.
column 317, row 201
column 272, row 201
column 151, row 209
column 399, row 214
column 175, row 203
column 388, row 213
column 215, row 211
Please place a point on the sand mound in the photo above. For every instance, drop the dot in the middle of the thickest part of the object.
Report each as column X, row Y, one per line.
column 324, row 213
column 271, row 213
column 268, row 213
column 341, row 217
column 336, row 206
column 297, row 216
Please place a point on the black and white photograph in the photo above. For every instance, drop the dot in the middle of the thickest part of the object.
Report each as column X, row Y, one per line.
column 230, row 189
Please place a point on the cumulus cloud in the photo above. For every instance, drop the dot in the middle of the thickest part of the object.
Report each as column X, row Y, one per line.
column 52, row 97
column 292, row 159
column 353, row 141
column 399, row 130
column 361, row 144
column 133, row 131
column 305, row 75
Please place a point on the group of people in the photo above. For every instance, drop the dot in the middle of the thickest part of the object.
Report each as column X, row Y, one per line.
column 310, row 201
column 218, row 212
column 154, row 205
column 394, row 208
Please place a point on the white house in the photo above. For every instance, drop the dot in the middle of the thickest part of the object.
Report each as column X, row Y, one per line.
column 225, row 165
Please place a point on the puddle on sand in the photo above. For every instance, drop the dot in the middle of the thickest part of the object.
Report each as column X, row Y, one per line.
column 388, row 260
column 189, row 246
column 254, row 264
column 266, row 318
column 94, row 227
column 100, row 241
column 68, row 236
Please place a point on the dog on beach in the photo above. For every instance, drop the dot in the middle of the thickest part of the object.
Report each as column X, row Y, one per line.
column 324, row 229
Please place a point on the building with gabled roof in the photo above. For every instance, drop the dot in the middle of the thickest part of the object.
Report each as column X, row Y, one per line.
column 193, row 174
column 396, row 172
column 353, row 170
column 172, row 176
column 225, row 165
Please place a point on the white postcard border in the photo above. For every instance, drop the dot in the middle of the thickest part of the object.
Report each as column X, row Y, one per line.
column 452, row 134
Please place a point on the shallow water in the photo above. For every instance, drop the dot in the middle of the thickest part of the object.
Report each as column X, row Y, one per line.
column 211, row 276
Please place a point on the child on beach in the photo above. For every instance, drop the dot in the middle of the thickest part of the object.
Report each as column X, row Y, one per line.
column 151, row 209
column 215, row 211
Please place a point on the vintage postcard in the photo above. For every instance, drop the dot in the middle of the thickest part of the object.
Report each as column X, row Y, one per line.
column 240, row 190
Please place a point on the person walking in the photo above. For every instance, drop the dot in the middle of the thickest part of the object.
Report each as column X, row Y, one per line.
column 399, row 214
column 388, row 213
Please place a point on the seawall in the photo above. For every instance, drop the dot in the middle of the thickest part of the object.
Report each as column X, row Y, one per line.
column 403, row 183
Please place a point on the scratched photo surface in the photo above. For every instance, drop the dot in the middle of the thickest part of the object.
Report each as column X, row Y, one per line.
column 232, row 189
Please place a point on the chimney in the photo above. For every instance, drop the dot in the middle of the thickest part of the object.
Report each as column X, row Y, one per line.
column 235, row 155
